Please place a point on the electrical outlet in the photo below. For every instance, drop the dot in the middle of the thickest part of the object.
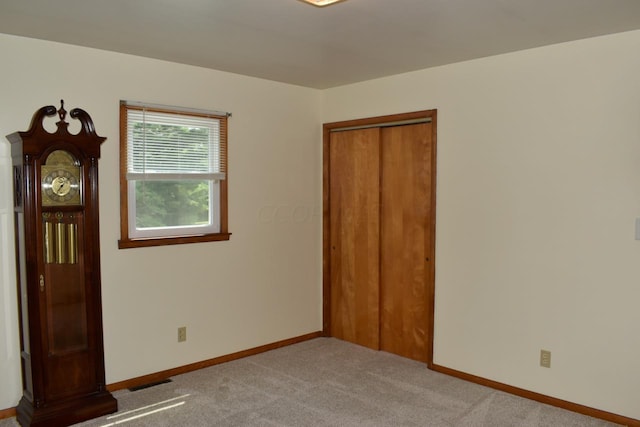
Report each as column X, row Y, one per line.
column 182, row 334
column 545, row 358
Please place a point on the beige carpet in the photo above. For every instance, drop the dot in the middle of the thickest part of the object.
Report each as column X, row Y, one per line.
column 327, row 382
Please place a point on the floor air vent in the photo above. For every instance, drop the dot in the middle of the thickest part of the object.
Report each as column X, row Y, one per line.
column 153, row 384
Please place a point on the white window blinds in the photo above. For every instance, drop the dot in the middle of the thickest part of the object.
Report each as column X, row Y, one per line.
column 169, row 146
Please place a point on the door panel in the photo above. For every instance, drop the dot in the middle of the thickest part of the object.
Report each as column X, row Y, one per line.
column 354, row 235
column 404, row 235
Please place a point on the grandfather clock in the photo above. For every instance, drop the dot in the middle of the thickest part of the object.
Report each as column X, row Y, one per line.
column 58, row 266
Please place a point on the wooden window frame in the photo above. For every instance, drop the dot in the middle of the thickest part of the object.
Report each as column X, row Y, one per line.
column 126, row 241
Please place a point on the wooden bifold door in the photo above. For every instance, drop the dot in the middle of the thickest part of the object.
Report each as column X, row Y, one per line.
column 379, row 234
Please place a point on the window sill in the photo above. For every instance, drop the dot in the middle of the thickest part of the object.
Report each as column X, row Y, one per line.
column 165, row 241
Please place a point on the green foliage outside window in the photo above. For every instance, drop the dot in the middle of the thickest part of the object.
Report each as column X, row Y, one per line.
column 171, row 203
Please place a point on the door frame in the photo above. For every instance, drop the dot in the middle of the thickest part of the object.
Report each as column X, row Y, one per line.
column 387, row 120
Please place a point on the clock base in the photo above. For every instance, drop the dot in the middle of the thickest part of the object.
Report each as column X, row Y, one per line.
column 65, row 413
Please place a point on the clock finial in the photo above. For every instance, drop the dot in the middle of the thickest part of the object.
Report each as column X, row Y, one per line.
column 62, row 113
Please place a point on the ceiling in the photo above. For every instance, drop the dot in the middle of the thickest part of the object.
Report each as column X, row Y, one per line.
column 294, row 42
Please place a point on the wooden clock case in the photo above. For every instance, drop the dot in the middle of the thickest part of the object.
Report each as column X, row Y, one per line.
column 58, row 271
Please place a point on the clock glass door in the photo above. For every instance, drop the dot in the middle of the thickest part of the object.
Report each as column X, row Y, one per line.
column 63, row 285
column 63, row 282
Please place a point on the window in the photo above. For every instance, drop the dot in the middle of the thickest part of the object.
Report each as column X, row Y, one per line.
column 173, row 186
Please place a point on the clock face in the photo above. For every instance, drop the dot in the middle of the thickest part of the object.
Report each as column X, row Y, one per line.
column 60, row 180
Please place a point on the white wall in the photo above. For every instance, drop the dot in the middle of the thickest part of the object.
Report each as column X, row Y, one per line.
column 262, row 286
column 538, row 189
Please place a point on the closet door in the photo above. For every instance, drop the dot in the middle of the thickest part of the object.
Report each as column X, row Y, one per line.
column 404, row 240
column 354, row 237
column 378, row 243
